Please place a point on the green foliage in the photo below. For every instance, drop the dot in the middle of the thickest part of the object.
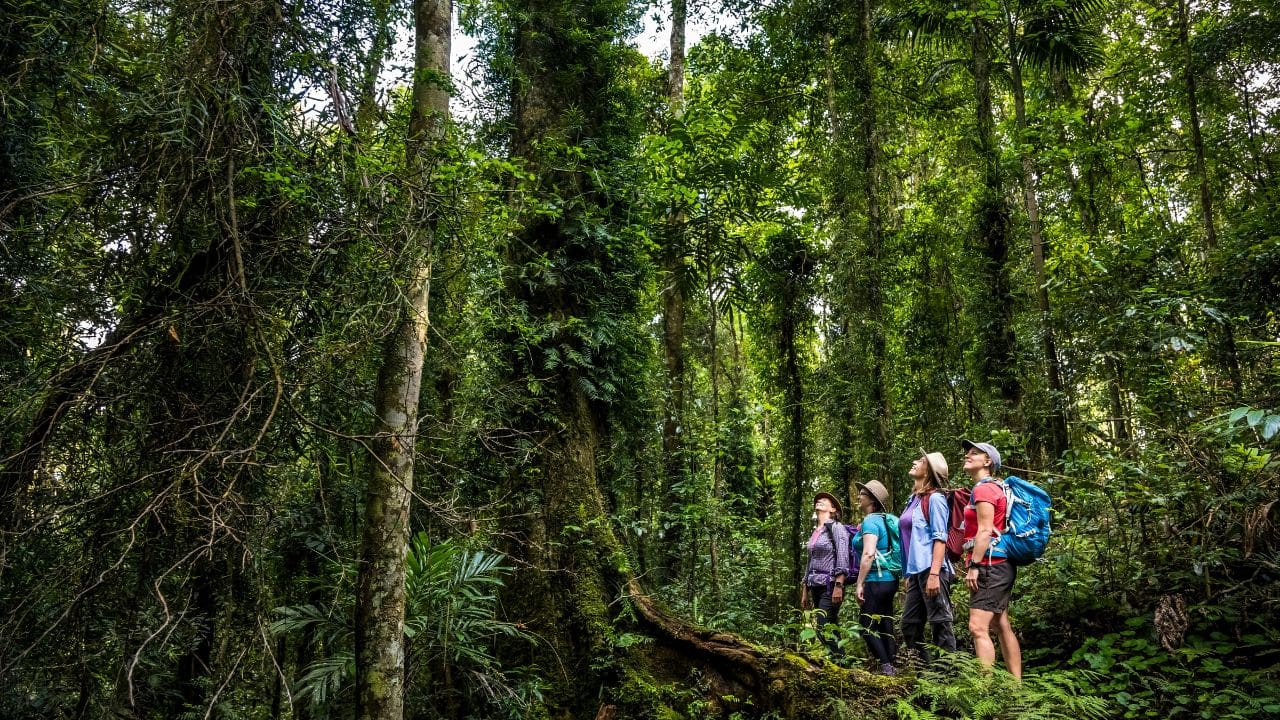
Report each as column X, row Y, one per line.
column 1260, row 421
column 1211, row 676
column 960, row 687
column 204, row 231
column 449, row 623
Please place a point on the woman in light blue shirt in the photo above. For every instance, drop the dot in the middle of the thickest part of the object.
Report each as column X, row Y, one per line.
column 927, row 571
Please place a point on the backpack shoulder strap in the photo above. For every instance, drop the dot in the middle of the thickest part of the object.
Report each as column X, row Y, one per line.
column 1004, row 488
column 884, row 519
column 831, row 531
column 990, row 478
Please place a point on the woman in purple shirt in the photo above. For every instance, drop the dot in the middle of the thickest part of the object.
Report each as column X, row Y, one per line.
column 828, row 565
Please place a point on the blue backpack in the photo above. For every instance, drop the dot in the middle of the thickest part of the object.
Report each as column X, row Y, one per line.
column 1026, row 531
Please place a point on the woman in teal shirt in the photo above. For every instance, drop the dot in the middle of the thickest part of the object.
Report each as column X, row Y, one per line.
column 877, row 583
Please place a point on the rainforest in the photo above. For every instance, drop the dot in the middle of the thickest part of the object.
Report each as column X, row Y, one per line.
column 422, row 359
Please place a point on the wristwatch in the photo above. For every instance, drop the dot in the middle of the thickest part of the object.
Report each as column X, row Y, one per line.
column 972, row 564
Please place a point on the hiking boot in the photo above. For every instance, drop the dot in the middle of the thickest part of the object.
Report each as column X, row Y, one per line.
column 888, row 669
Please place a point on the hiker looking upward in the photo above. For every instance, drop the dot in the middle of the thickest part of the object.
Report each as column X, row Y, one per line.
column 990, row 577
column 878, row 572
column 927, row 570
column 828, row 565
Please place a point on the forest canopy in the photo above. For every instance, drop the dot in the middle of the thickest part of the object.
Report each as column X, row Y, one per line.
column 346, row 373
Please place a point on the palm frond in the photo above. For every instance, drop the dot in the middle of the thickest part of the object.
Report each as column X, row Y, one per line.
column 451, row 594
column 327, row 678
column 1061, row 35
column 943, row 69
column 1058, row 44
column 925, row 24
column 299, row 617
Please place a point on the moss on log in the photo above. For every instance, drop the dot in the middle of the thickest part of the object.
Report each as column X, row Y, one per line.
column 687, row 670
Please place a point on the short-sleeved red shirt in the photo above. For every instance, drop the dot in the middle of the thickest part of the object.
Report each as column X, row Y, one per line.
column 989, row 492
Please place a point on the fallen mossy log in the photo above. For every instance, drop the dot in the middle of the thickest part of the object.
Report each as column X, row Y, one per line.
column 727, row 675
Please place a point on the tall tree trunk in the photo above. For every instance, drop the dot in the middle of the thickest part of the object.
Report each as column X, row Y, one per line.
column 996, row 303
column 869, row 140
column 673, row 320
column 195, row 664
column 570, row 558
column 674, row 462
column 1057, row 441
column 717, row 452
column 380, row 602
column 1119, row 414
column 793, row 394
column 675, row 74
column 859, row 297
column 834, row 121
column 849, row 421
column 1193, row 120
column 791, row 267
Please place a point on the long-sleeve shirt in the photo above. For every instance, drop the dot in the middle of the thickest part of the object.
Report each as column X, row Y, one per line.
column 918, row 536
column 826, row 561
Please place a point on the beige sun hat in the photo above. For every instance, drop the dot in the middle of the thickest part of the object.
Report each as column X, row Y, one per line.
column 835, row 502
column 878, row 491
column 938, row 466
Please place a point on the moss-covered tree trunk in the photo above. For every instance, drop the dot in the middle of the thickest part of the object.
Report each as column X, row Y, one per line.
column 995, row 304
column 674, row 281
column 1190, row 85
column 794, row 444
column 380, row 602
column 871, row 162
column 572, row 564
column 786, row 274
column 1224, row 336
column 575, row 304
column 863, row 405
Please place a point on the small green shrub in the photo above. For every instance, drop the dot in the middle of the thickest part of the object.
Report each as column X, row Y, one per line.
column 958, row 687
column 450, row 626
column 1210, row 676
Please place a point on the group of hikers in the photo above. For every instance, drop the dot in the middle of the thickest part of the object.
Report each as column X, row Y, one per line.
column 918, row 549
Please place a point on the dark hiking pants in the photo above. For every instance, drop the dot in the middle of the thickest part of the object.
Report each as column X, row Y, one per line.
column 917, row 609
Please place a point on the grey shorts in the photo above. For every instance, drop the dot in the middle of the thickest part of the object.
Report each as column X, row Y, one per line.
column 995, row 587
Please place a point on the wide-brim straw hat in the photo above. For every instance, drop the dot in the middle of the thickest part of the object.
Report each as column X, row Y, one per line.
column 834, row 501
column 877, row 490
column 937, row 466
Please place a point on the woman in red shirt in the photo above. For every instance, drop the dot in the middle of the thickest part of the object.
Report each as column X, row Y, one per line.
column 990, row 577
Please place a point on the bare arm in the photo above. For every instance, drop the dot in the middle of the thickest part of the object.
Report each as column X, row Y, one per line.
column 986, row 525
column 868, row 556
column 982, row 541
